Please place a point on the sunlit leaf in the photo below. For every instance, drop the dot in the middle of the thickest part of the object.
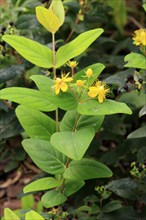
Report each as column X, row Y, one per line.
column 76, row 46
column 9, row 214
column 32, row 51
column 33, row 215
column 41, row 184
column 48, row 19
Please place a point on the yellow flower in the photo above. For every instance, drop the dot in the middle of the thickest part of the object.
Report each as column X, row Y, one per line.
column 61, row 83
column 72, row 64
column 100, row 90
column 89, row 72
column 79, row 83
column 140, row 37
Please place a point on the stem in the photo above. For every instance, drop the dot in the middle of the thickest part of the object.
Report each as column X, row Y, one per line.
column 57, row 120
column 54, row 55
column 54, row 72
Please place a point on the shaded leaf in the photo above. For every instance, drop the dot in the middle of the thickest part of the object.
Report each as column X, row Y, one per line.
column 126, row 188
column 138, row 133
column 112, row 206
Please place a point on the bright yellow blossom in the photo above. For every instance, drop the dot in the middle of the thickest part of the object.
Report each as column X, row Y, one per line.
column 140, row 37
column 61, row 83
column 89, row 72
column 72, row 64
column 100, row 90
column 79, row 83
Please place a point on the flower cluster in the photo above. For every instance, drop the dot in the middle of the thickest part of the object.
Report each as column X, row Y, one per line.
column 140, row 37
column 98, row 90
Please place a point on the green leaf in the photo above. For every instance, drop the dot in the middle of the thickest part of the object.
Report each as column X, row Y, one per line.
column 9, row 214
column 142, row 111
column 144, row 6
column 138, row 133
column 48, row 19
column 86, row 169
column 133, row 99
column 53, row 198
column 108, row 107
column 72, row 186
column 27, row 201
column 41, row 184
column 58, row 10
column 45, row 156
column 32, row 51
column 36, row 124
column 76, row 46
column 73, row 144
column 64, row 101
column 97, row 69
column 73, row 118
column 126, row 188
column 112, row 206
column 28, row 97
column 135, row 60
column 33, row 216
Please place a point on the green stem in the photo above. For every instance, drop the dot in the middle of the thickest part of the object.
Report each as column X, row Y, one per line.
column 54, row 55
column 54, row 72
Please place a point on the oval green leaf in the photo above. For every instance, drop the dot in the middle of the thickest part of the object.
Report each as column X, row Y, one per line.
column 45, row 156
column 32, row 51
column 53, row 198
column 33, row 216
column 108, row 107
column 36, row 124
column 9, row 214
column 28, row 97
column 76, row 46
column 86, row 169
column 73, row 144
column 135, row 60
column 48, row 19
column 138, row 133
column 41, row 184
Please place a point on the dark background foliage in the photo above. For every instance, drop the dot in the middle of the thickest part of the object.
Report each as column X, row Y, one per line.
column 124, row 195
